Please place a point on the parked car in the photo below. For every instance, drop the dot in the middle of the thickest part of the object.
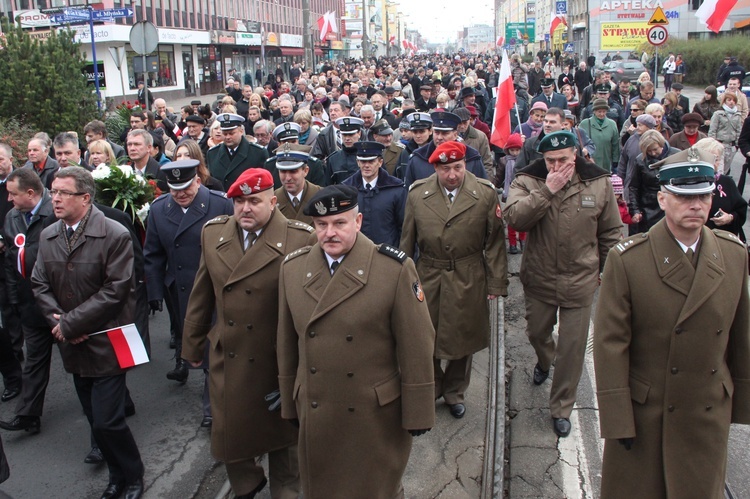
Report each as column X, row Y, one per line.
column 630, row 68
column 745, row 86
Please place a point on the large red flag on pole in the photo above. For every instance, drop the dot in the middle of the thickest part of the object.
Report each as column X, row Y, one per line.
column 506, row 99
column 713, row 13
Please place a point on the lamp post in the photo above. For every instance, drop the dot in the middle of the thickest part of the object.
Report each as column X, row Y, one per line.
column 307, row 40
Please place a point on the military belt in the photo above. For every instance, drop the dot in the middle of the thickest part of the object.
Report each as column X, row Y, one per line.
column 449, row 264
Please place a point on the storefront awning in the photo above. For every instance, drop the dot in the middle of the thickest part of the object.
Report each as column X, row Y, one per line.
column 577, row 26
column 292, row 51
column 742, row 24
column 318, row 52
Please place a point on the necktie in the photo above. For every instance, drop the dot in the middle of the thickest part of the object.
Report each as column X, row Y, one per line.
column 691, row 256
column 368, row 187
column 28, row 216
column 249, row 239
column 69, row 233
column 231, row 153
column 450, row 197
column 295, row 202
column 334, row 266
column 338, row 137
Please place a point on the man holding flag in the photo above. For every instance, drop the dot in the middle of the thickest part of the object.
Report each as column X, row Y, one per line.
column 84, row 283
column 505, row 99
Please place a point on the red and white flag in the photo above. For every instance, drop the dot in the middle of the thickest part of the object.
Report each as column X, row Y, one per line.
column 556, row 20
column 392, row 40
column 327, row 24
column 713, row 13
column 500, row 41
column 505, row 100
column 128, row 345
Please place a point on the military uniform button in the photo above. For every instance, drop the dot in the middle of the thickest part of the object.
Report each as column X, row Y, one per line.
column 719, row 331
column 678, row 330
column 349, row 337
column 313, row 370
column 249, row 327
column 231, row 323
column 71, row 266
column 314, row 405
column 708, row 407
column 248, row 291
column 251, row 359
column 448, row 224
column 231, row 355
column 351, row 409
column 675, row 370
column 229, row 288
column 714, row 371
column 182, row 288
column 176, row 245
column 179, row 267
column 447, row 248
column 670, row 408
column 311, row 334
column 351, row 375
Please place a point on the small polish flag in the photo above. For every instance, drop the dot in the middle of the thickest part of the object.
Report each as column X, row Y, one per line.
column 500, row 41
column 128, row 345
column 556, row 20
column 713, row 13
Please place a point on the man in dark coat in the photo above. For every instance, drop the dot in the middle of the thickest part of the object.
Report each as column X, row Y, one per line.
column 145, row 99
column 395, row 156
column 329, row 138
column 196, row 130
column 425, row 103
column 549, row 96
column 582, row 77
column 535, row 76
column 172, row 249
column 445, row 129
column 98, row 296
column 39, row 159
column 381, row 196
column 228, row 160
column 671, row 378
column 733, row 70
column 139, row 145
column 342, row 164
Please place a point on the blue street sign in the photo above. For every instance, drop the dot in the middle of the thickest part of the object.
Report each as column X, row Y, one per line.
column 569, row 48
column 70, row 16
column 561, row 7
column 102, row 15
column 546, row 37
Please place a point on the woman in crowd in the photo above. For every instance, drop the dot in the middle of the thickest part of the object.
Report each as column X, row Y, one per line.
column 669, row 68
column 726, row 124
column 728, row 208
column 644, row 182
column 657, row 111
column 708, row 105
column 533, row 125
column 672, row 111
column 189, row 149
column 257, row 100
column 100, row 152
column 570, row 96
column 308, row 135
column 215, row 135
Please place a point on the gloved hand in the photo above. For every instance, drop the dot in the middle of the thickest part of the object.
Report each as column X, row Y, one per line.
column 626, row 442
column 416, row 433
column 155, row 306
column 274, row 401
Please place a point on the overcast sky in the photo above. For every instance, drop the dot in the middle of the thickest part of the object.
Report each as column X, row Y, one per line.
column 440, row 21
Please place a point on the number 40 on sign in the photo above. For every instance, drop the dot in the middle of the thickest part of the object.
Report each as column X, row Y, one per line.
column 657, row 35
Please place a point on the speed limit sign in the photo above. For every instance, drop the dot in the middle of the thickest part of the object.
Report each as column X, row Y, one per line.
column 657, row 35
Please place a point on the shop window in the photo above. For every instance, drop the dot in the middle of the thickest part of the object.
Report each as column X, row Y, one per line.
column 159, row 68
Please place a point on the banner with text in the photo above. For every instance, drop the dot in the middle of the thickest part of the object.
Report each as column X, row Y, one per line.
column 618, row 36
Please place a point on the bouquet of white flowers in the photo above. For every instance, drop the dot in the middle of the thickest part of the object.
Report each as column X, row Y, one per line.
column 119, row 187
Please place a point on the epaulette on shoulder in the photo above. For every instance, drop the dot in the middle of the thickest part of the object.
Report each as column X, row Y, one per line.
column 220, row 194
column 399, row 144
column 630, row 242
column 256, row 145
column 296, row 224
column 221, row 219
column 728, row 236
column 161, row 198
column 298, row 252
column 394, row 253
column 486, row 182
column 417, row 182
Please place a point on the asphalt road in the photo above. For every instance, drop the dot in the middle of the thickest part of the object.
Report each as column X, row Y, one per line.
column 174, row 449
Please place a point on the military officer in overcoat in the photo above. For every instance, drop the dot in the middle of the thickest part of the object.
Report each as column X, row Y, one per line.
column 672, row 345
column 172, row 250
column 228, row 160
column 342, row 164
column 395, row 156
column 237, row 281
column 287, row 135
column 453, row 219
column 568, row 208
column 295, row 191
column 355, row 348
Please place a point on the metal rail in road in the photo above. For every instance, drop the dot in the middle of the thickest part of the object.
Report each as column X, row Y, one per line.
column 494, row 445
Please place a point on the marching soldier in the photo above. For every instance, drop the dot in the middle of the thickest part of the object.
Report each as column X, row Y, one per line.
column 672, row 345
column 342, row 164
column 453, row 218
column 395, row 156
column 354, row 349
column 172, row 250
column 228, row 160
column 295, row 191
column 238, row 279
column 568, row 208
column 287, row 135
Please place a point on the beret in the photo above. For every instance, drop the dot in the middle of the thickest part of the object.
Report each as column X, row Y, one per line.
column 332, row 200
column 251, row 181
column 448, row 152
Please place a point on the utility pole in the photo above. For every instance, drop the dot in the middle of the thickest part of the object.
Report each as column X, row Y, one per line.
column 307, row 39
column 365, row 37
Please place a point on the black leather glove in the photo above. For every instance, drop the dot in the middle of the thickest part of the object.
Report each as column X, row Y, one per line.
column 155, row 306
column 274, row 401
column 416, row 433
column 626, row 442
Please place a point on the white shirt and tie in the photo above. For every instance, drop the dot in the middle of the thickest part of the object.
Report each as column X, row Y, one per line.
column 451, row 195
column 333, row 263
column 296, row 199
column 249, row 238
column 371, row 184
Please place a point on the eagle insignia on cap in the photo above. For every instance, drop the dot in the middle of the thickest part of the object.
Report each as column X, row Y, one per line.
column 554, row 141
column 320, row 208
column 176, row 173
column 693, row 156
column 287, row 147
column 246, row 190
column 443, row 158
column 416, row 117
column 346, row 121
column 226, row 117
column 287, row 126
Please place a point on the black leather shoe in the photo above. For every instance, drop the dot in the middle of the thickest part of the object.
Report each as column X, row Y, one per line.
column 207, row 422
column 457, row 410
column 172, row 342
column 134, row 490
column 255, row 491
column 10, row 394
column 94, row 456
column 32, row 424
column 179, row 373
column 113, row 491
column 540, row 376
column 561, row 426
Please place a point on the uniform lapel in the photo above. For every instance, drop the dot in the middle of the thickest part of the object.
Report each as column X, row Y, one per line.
column 467, row 196
column 709, row 274
column 350, row 277
column 674, row 268
column 433, row 198
column 195, row 213
column 317, row 273
column 229, row 247
column 268, row 247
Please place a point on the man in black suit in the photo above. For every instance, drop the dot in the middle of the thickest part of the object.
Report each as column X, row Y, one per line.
column 139, row 151
column 379, row 100
column 196, row 130
column 425, row 103
column 235, row 155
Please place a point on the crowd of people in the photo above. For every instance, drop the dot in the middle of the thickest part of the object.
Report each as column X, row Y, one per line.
column 327, row 247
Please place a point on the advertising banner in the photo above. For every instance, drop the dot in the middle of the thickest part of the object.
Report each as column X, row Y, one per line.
column 619, row 36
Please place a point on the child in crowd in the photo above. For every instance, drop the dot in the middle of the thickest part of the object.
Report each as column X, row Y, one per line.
column 503, row 178
column 621, row 204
